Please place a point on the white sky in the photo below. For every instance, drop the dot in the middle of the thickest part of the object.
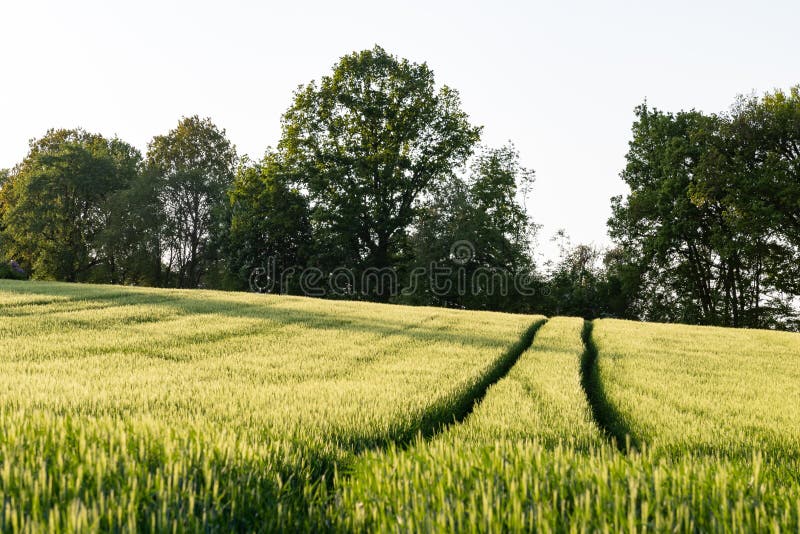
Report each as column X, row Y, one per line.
column 560, row 79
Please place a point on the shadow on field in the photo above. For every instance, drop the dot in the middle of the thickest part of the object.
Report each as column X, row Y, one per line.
column 605, row 414
column 85, row 297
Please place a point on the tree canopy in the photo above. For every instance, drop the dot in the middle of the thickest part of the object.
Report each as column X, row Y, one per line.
column 366, row 143
column 711, row 220
column 194, row 165
column 57, row 202
column 269, row 222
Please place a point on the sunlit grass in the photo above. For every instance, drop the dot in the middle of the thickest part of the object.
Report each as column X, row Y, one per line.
column 141, row 409
column 704, row 390
column 186, row 409
column 531, row 458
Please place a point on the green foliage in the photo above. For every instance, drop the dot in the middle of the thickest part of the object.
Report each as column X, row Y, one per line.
column 589, row 282
column 5, row 174
column 369, row 161
column 194, row 165
column 11, row 271
column 132, row 235
column 756, row 174
column 57, row 202
column 269, row 221
column 574, row 282
column 366, row 143
column 710, row 225
column 371, row 179
column 485, row 212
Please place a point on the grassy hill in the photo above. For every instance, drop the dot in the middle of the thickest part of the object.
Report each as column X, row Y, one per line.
column 128, row 408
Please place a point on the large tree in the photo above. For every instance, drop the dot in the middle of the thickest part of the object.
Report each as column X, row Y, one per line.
column 366, row 143
column 56, row 203
column 195, row 165
column 658, row 226
column 701, row 224
column 761, row 182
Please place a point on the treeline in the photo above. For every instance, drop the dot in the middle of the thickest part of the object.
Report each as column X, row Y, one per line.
column 379, row 189
column 84, row 208
column 378, row 171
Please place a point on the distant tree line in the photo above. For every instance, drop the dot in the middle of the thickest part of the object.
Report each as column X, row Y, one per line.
column 379, row 171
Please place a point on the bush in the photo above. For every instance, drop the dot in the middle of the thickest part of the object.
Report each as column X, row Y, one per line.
column 11, row 270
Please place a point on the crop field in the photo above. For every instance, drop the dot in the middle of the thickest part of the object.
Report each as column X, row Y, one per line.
column 161, row 410
column 168, row 409
column 532, row 456
column 700, row 389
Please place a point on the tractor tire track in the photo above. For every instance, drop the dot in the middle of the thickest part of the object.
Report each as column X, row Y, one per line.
column 604, row 413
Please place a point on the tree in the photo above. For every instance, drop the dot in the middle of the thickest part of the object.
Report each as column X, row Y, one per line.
column 57, row 201
column 132, row 234
column 658, row 226
column 751, row 172
column 476, row 227
column 573, row 281
column 589, row 282
column 194, row 164
column 699, row 225
column 270, row 226
column 366, row 143
column 762, row 185
column 622, row 283
column 5, row 174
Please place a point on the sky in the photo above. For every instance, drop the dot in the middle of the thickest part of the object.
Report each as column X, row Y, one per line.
column 560, row 79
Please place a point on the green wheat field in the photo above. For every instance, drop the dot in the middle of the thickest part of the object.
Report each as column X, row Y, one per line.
column 129, row 409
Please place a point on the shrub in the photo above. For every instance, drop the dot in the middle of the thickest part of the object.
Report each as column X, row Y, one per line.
column 12, row 270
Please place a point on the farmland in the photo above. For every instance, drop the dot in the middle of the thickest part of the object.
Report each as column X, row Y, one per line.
column 131, row 408
column 531, row 456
